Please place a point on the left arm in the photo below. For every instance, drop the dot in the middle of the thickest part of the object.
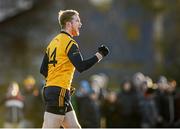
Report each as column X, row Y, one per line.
column 76, row 58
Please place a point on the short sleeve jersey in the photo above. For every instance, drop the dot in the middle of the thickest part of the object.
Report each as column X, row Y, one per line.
column 60, row 69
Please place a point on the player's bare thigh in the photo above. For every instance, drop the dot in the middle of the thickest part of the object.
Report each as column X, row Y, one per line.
column 70, row 120
column 52, row 120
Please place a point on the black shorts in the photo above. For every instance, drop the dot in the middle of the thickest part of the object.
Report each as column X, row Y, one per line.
column 57, row 100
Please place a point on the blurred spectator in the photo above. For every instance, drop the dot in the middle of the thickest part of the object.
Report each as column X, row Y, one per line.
column 176, row 105
column 164, row 102
column 33, row 103
column 111, row 110
column 171, row 94
column 88, row 109
column 149, row 111
column 84, row 89
column 128, row 101
column 137, row 79
column 14, row 105
column 99, row 84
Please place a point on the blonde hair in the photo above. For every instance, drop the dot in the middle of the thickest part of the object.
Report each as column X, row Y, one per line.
column 66, row 16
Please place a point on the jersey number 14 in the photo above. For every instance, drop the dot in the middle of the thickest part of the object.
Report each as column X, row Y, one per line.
column 52, row 57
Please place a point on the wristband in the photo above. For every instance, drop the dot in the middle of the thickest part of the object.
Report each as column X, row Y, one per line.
column 99, row 56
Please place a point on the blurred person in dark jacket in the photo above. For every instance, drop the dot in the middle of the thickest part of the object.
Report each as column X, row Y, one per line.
column 162, row 101
column 176, row 95
column 99, row 83
column 111, row 110
column 137, row 81
column 149, row 112
column 33, row 102
column 88, row 109
column 129, row 103
column 173, row 99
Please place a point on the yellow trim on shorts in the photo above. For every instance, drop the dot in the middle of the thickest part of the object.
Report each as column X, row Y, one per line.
column 61, row 97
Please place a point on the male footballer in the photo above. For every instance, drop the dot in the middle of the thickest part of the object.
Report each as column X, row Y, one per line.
column 61, row 58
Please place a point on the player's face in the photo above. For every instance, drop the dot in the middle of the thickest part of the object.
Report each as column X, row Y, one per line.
column 75, row 25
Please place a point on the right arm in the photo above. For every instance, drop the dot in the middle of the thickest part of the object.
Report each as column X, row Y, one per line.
column 44, row 65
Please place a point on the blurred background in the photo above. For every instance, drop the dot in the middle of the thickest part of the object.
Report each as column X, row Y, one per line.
column 143, row 38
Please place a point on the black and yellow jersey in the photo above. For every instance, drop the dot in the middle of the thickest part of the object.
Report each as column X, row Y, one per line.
column 61, row 58
column 60, row 69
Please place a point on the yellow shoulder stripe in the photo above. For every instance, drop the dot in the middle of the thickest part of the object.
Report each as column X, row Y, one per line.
column 71, row 42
